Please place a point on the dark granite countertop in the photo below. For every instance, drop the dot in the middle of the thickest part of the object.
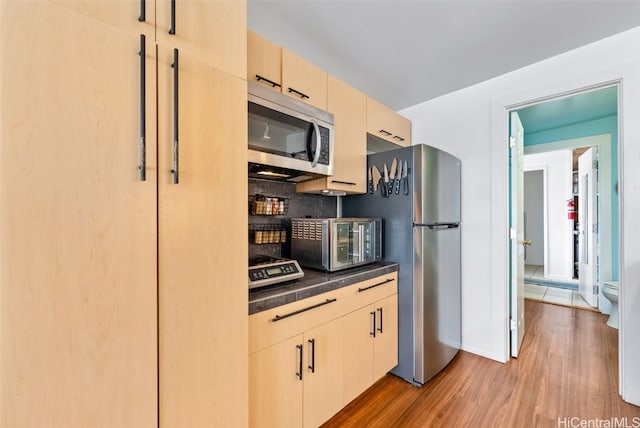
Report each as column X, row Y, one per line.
column 314, row 282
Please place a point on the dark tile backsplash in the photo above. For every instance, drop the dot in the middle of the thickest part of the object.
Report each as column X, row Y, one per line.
column 299, row 205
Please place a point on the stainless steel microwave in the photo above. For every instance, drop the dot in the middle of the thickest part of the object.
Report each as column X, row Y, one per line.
column 288, row 139
column 333, row 244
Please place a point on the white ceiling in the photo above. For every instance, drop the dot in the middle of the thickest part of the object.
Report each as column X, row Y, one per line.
column 406, row 52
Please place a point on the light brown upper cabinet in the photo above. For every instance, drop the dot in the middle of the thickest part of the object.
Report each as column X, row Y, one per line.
column 124, row 14
column 214, row 31
column 384, row 123
column 284, row 71
column 264, row 61
column 303, row 81
column 350, row 151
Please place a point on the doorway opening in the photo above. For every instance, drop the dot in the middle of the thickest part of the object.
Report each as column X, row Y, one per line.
column 563, row 263
column 557, row 132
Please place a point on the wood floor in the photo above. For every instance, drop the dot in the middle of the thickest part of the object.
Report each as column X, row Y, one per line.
column 567, row 368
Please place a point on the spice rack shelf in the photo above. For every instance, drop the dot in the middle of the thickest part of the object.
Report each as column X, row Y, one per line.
column 268, row 205
column 267, row 234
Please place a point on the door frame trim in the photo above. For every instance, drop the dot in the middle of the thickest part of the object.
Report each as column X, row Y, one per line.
column 499, row 245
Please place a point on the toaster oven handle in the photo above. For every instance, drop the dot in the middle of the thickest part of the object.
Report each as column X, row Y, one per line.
column 361, row 243
column 316, row 156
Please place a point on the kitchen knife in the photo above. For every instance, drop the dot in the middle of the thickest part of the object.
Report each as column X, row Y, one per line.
column 370, row 180
column 405, row 178
column 376, row 177
column 385, row 185
column 398, row 178
column 392, row 175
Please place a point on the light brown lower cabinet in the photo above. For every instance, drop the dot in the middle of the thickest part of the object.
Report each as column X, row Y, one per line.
column 297, row 382
column 303, row 355
column 370, row 345
column 202, row 323
column 78, row 342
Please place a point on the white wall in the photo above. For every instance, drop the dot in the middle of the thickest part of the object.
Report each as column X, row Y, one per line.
column 472, row 124
column 534, row 216
column 558, row 164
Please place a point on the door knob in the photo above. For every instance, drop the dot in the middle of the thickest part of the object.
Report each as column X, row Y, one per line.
column 526, row 242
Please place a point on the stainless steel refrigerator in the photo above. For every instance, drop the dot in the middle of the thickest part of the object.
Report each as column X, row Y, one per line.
column 420, row 208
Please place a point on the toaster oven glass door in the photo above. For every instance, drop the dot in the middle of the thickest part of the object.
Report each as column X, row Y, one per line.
column 352, row 244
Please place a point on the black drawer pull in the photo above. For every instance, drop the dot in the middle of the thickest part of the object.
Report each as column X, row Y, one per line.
column 143, row 12
column 299, row 311
column 395, row 137
column 271, row 82
column 348, row 183
column 360, row 290
column 387, row 133
column 142, row 167
column 172, row 29
column 299, row 372
column 303, row 96
column 312, row 367
column 176, row 145
column 373, row 330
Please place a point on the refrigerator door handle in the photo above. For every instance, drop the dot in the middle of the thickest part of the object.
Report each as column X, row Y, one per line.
column 437, row 226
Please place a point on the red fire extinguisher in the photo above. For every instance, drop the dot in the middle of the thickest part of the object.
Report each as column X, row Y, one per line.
column 571, row 210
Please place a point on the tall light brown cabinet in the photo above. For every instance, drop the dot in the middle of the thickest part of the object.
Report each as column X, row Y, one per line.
column 119, row 303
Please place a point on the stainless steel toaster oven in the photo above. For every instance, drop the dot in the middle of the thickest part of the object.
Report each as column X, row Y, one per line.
column 332, row 244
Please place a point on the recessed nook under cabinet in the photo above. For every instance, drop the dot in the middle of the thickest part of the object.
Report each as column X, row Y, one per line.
column 280, row 202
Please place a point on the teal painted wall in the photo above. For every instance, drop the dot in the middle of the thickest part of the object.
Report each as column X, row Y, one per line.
column 605, row 125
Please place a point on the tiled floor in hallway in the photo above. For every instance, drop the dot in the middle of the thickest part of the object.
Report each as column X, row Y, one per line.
column 543, row 293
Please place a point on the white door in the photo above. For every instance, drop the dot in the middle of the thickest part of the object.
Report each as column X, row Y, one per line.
column 516, row 143
column 588, row 225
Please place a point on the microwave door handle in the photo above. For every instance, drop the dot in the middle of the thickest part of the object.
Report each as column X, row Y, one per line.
column 316, row 156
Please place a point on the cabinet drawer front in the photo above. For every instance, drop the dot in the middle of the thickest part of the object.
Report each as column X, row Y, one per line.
column 275, row 325
column 367, row 292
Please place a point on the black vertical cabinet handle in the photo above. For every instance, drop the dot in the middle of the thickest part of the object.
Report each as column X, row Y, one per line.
column 299, row 372
column 373, row 331
column 176, row 150
column 143, row 109
column 143, row 11
column 172, row 29
column 380, row 329
column 312, row 367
